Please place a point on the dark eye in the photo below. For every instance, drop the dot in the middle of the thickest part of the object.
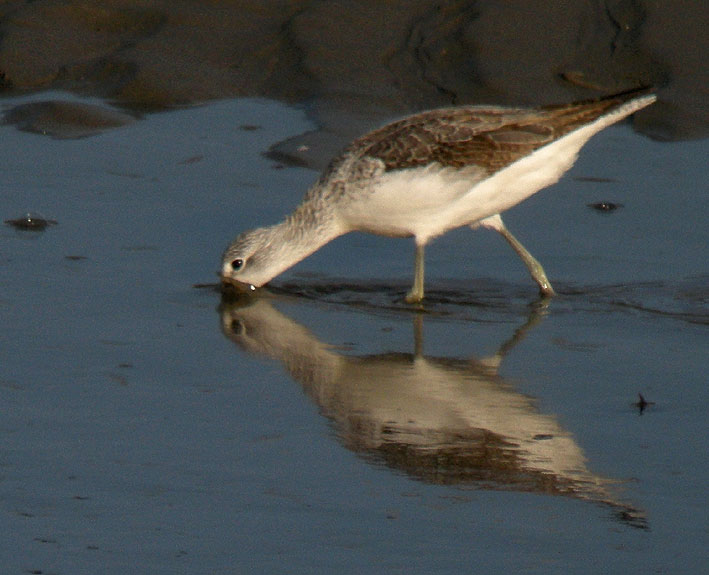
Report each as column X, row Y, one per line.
column 237, row 264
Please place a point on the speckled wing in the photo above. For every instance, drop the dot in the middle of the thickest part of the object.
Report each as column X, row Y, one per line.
column 489, row 138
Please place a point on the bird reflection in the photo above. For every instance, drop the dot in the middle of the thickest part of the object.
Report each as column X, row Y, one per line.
column 441, row 420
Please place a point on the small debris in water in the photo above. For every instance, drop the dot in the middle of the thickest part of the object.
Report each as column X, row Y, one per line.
column 31, row 221
column 191, row 160
column 643, row 404
column 605, row 206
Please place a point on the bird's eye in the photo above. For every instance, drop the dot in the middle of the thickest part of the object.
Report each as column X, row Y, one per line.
column 237, row 264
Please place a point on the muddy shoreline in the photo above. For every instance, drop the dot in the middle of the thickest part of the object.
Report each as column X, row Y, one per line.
column 356, row 64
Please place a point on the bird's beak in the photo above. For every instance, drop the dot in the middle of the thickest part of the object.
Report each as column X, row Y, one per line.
column 230, row 285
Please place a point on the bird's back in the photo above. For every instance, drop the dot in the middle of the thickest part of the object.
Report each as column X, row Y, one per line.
column 488, row 137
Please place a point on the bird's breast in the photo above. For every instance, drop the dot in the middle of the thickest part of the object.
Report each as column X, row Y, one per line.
column 409, row 202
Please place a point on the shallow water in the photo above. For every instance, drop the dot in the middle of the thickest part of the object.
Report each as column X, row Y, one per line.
column 327, row 426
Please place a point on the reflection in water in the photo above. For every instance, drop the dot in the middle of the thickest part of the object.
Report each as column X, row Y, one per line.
column 441, row 420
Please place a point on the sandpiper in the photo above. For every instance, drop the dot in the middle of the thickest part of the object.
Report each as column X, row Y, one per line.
column 427, row 174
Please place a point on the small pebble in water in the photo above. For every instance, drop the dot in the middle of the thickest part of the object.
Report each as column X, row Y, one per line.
column 642, row 404
column 605, row 206
column 31, row 221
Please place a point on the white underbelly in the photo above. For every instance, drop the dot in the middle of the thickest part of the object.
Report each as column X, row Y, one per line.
column 408, row 202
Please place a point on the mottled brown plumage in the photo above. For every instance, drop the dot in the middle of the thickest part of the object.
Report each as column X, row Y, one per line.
column 490, row 138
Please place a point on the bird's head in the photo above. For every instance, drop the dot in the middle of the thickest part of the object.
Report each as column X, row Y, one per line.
column 254, row 258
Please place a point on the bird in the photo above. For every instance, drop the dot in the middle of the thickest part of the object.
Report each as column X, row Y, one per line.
column 429, row 173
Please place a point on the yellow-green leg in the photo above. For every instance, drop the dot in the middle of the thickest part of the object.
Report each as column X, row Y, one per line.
column 535, row 268
column 416, row 293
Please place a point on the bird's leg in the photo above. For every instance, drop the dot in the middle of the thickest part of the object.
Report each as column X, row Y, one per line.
column 535, row 268
column 416, row 293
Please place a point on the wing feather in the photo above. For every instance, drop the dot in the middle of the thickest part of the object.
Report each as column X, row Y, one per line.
column 488, row 138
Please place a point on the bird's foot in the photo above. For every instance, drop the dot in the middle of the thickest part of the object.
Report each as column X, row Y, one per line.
column 413, row 297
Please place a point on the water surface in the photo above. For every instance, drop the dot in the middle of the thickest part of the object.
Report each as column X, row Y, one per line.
column 327, row 426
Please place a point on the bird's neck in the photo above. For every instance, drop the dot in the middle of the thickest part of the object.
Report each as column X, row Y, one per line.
column 306, row 230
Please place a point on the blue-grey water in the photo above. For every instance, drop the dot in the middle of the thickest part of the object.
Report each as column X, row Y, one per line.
column 327, row 427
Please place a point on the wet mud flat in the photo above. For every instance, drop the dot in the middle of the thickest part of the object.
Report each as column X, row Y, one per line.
column 359, row 64
column 153, row 426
